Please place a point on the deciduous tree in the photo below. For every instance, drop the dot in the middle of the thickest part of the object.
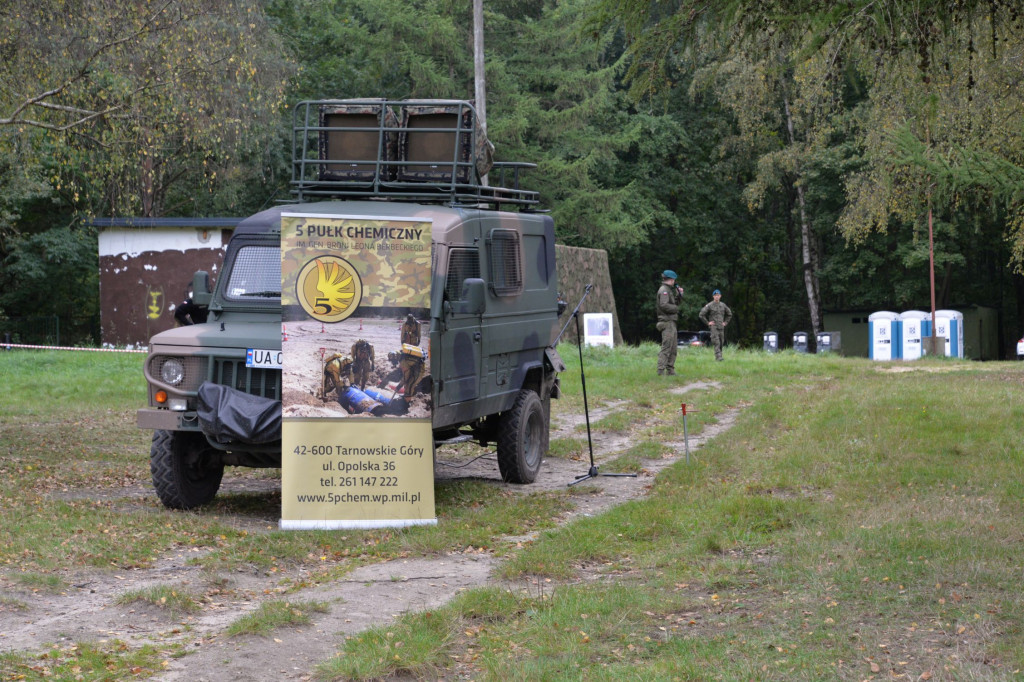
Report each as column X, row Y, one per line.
column 137, row 97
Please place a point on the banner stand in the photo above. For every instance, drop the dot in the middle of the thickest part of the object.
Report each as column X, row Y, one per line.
column 357, row 440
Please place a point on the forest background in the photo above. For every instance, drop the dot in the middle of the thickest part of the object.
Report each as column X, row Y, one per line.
column 789, row 153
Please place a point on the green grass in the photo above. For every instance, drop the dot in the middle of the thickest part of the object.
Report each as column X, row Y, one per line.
column 11, row 604
column 567, row 448
column 272, row 615
column 854, row 523
column 174, row 600
column 69, row 422
column 80, row 383
column 36, row 582
column 114, row 660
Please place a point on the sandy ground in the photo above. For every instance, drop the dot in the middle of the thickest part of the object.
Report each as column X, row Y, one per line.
column 370, row 596
column 310, row 343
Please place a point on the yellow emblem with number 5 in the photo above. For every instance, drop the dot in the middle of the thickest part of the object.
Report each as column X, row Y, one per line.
column 329, row 288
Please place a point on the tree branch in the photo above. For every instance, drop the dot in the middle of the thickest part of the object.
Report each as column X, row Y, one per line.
column 82, row 72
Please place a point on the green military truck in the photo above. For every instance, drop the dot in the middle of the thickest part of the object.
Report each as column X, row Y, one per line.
column 215, row 387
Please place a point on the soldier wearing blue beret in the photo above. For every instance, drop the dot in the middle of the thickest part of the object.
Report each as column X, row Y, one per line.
column 669, row 298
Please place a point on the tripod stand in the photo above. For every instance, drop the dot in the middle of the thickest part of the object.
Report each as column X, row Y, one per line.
column 593, row 471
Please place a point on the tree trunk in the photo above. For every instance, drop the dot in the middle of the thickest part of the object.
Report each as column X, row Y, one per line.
column 147, row 187
column 808, row 250
column 947, row 278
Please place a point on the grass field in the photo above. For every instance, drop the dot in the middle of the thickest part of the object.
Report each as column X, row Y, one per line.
column 860, row 521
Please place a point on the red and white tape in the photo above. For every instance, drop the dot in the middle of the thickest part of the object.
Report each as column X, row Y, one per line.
column 103, row 350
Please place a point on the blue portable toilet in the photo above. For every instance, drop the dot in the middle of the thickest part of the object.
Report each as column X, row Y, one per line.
column 883, row 336
column 950, row 325
column 800, row 342
column 771, row 342
column 914, row 326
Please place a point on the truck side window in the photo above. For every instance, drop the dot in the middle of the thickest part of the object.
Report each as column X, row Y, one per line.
column 506, row 262
column 462, row 264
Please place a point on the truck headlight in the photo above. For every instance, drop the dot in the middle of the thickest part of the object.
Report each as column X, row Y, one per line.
column 172, row 371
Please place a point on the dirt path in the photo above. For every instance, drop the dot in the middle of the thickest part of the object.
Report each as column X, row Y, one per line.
column 369, row 596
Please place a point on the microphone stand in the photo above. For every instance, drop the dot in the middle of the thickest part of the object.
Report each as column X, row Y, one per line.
column 593, row 471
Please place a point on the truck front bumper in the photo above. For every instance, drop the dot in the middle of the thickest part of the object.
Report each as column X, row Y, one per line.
column 167, row 420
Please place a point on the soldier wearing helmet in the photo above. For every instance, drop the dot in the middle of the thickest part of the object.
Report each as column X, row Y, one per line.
column 337, row 373
column 411, row 330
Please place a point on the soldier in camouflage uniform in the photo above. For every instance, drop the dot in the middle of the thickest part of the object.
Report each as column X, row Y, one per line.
column 411, row 330
column 337, row 373
column 413, row 369
column 716, row 316
column 669, row 298
column 362, row 362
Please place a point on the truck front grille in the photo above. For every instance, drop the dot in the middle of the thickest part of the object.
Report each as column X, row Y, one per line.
column 252, row 380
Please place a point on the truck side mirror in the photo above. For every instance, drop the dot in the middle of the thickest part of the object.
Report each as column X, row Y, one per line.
column 473, row 299
column 201, row 294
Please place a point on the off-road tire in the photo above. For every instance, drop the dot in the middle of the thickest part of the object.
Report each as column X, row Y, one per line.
column 522, row 439
column 185, row 474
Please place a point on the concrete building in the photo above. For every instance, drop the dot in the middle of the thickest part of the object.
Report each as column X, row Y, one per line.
column 146, row 267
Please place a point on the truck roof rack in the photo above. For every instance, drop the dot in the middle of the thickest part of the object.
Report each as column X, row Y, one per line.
column 430, row 151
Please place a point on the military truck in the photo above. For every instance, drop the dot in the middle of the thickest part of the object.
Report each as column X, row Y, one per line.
column 215, row 387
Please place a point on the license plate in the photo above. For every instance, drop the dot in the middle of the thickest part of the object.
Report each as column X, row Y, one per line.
column 257, row 357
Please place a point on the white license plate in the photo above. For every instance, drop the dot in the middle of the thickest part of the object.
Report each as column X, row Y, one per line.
column 257, row 357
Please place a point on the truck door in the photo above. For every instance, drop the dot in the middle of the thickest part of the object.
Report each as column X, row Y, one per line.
column 460, row 352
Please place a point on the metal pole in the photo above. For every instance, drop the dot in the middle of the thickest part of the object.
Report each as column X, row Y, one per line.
column 686, row 439
column 931, row 247
column 931, row 266
column 479, row 81
column 686, row 435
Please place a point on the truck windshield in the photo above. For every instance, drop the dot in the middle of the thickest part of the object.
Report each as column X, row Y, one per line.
column 256, row 273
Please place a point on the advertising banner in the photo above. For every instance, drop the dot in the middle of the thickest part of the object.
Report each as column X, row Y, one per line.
column 357, row 444
column 597, row 329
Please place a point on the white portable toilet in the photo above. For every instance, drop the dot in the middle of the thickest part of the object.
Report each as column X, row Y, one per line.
column 883, row 336
column 950, row 324
column 914, row 326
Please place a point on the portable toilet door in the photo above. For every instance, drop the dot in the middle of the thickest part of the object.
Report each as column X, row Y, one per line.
column 914, row 326
column 883, row 336
column 950, row 324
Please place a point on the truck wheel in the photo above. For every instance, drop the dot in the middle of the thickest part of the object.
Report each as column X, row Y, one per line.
column 521, row 439
column 185, row 472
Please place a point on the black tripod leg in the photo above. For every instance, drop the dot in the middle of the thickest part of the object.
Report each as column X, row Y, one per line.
column 592, row 472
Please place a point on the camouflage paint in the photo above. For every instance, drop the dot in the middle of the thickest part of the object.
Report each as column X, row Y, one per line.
column 390, row 268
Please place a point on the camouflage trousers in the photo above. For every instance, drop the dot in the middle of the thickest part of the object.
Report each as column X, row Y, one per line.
column 669, row 347
column 361, row 373
column 413, row 370
column 717, row 339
